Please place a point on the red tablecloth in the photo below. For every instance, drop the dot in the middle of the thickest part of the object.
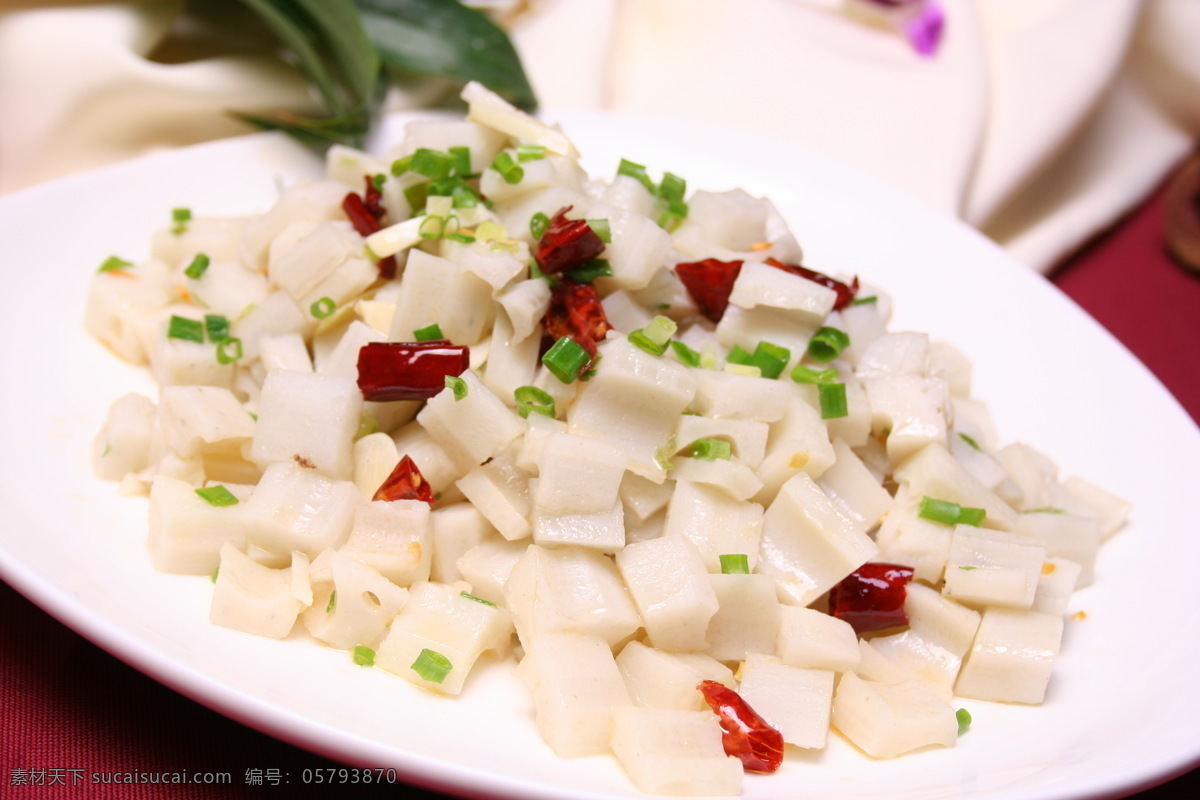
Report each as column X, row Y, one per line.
column 68, row 709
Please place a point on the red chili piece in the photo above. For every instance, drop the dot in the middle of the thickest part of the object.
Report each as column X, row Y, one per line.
column 872, row 597
column 567, row 243
column 408, row 370
column 709, row 282
column 405, row 483
column 745, row 734
column 845, row 294
column 575, row 311
column 366, row 215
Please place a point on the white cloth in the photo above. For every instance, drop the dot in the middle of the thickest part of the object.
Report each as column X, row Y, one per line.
column 1037, row 121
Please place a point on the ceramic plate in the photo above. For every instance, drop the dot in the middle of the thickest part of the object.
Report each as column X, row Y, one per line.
column 1123, row 707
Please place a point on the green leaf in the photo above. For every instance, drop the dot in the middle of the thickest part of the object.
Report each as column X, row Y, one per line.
column 445, row 38
column 318, row 132
column 298, row 37
column 343, row 33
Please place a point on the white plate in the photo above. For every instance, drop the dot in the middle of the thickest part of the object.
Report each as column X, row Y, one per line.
column 1123, row 707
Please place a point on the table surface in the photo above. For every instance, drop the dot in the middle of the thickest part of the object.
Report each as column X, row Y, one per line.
column 69, row 706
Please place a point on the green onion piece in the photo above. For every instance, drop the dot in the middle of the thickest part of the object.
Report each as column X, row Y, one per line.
column 470, row 596
column 833, row 400
column 565, row 359
column 596, row 268
column 969, row 440
column 366, row 426
column 685, row 354
column 415, row 196
column 636, row 171
column 538, row 224
column 601, row 228
column 428, row 333
column 433, row 164
column 432, row 666
column 214, row 575
column 112, row 262
column 322, row 308
column 460, row 193
column 711, row 449
column 462, row 161
column 536, row 272
column 769, row 358
column 967, row 567
column 644, row 342
column 803, row 374
column 964, row 720
column 663, row 454
column 672, row 188
column 217, row 496
column 972, row 516
column 1045, row 510
column 181, row 217
column 862, row 301
column 509, row 169
column 217, row 327
column 827, row 344
column 939, row 510
column 332, row 604
column 734, row 564
column 654, row 337
column 739, row 355
column 530, row 152
column 401, row 165
column 183, row 328
column 197, row 267
column 456, row 385
column 364, row 656
column 378, row 181
column 229, row 350
column 532, row 399
column 461, row 237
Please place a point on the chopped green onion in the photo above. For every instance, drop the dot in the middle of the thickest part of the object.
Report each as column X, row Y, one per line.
column 530, row 152
column 197, row 267
column 769, row 358
column 596, row 268
column 214, row 575
column 833, row 400
column 217, row 327
column 803, row 374
column 332, row 604
column 462, row 161
column 217, row 496
column 538, row 224
column 532, row 399
column 366, row 426
column 711, row 449
column 663, row 454
column 950, row 513
column 974, row 444
column 322, row 308
column 470, row 596
column 428, row 333
column 685, row 354
column 183, row 328
column 964, row 720
column 181, row 217
column 565, row 359
column 862, row 301
column 654, row 337
column 432, row 666
column 401, row 165
column 364, row 656
column 433, row 164
column 112, row 262
column 415, row 196
column 229, row 350
column 1045, row 510
column 637, row 171
column 456, row 385
column 673, row 188
column 644, row 342
column 827, row 344
column 461, row 237
column 460, row 193
column 509, row 169
column 734, row 564
column 601, row 228
column 378, row 181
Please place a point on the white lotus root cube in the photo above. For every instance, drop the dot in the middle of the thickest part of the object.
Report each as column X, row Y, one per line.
column 435, row 289
column 181, row 362
column 715, row 523
column 569, row 589
column 747, row 618
column 632, row 403
column 575, row 686
column 854, row 489
column 440, row 618
column 186, row 531
column 725, row 395
column 473, row 429
column 304, row 254
column 309, row 417
column 352, row 603
column 374, row 460
column 659, row 679
column 940, row 633
column 277, row 315
column 669, row 583
column 294, row 508
column 500, row 490
column 1110, row 510
column 252, row 598
column 748, row 438
column 457, row 528
column 885, row 720
column 906, row 538
column 119, row 303
column 487, row 565
column 576, row 500
column 1056, row 584
column 807, row 546
column 1065, row 536
column 673, row 752
column 203, row 419
column 993, row 567
column 795, row 701
column 910, row 409
column 637, row 249
column 815, row 640
column 759, row 284
column 1012, row 657
column 933, row 472
column 123, row 444
column 898, row 353
column 393, row 537
column 799, row 442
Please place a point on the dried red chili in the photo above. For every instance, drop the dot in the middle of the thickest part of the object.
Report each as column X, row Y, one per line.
column 567, row 244
column 409, row 370
column 845, row 293
column 405, row 483
column 709, row 282
column 575, row 311
column 745, row 734
column 872, row 597
column 366, row 215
